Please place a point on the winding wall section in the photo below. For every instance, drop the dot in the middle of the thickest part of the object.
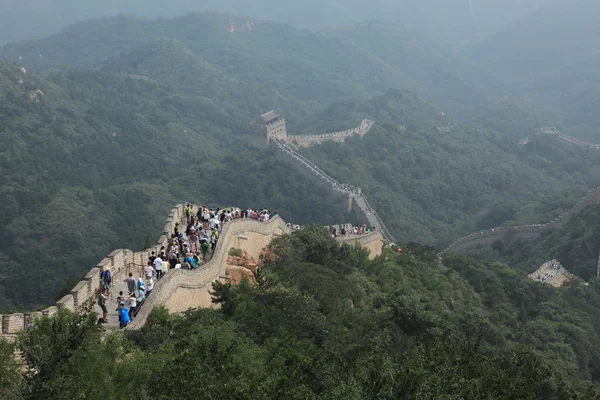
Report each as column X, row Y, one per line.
column 354, row 193
column 488, row 236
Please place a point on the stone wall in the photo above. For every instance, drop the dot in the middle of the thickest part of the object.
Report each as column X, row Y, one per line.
column 307, row 140
column 182, row 289
column 85, row 292
column 488, row 236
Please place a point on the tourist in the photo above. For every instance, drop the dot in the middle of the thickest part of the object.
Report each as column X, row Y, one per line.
column 120, row 300
column 130, row 282
column 188, row 213
column 107, row 280
column 132, row 304
column 165, row 265
column 149, row 269
column 153, row 256
column 157, row 264
column 149, row 286
column 123, row 316
column 102, row 304
column 204, row 247
column 213, row 242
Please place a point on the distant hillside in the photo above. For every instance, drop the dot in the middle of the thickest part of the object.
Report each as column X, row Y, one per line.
column 575, row 245
column 428, row 185
column 365, row 59
column 451, row 23
column 548, row 61
column 540, row 43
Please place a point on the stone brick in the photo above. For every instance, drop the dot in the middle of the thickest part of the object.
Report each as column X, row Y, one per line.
column 13, row 323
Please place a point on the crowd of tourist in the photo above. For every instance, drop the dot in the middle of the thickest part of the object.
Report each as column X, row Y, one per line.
column 553, row 269
column 187, row 248
column 342, row 231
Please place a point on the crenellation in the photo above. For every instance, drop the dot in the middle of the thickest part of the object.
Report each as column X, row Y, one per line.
column 117, row 261
column 93, row 280
column 13, row 323
column 80, row 294
column 68, row 302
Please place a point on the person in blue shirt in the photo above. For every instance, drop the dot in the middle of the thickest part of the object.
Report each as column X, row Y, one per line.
column 123, row 316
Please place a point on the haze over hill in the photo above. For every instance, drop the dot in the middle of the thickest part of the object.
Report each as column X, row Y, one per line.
column 448, row 22
column 549, row 61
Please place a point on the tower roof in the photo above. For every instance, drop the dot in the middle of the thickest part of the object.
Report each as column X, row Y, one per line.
column 269, row 116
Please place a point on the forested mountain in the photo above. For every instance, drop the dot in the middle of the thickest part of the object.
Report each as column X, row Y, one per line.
column 94, row 160
column 365, row 59
column 451, row 23
column 328, row 323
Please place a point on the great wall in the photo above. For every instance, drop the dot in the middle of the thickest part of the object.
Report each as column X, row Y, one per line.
column 307, row 140
column 179, row 289
column 488, row 236
column 551, row 130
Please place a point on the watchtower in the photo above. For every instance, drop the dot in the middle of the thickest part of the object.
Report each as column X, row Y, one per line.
column 268, row 126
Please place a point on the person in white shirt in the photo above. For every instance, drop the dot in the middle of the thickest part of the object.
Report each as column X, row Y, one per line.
column 178, row 265
column 149, row 286
column 132, row 304
column 158, row 267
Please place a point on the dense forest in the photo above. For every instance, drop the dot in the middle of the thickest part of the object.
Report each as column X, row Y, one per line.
column 325, row 322
column 131, row 117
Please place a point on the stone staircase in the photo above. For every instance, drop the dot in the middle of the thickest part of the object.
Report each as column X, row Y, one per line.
column 351, row 191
